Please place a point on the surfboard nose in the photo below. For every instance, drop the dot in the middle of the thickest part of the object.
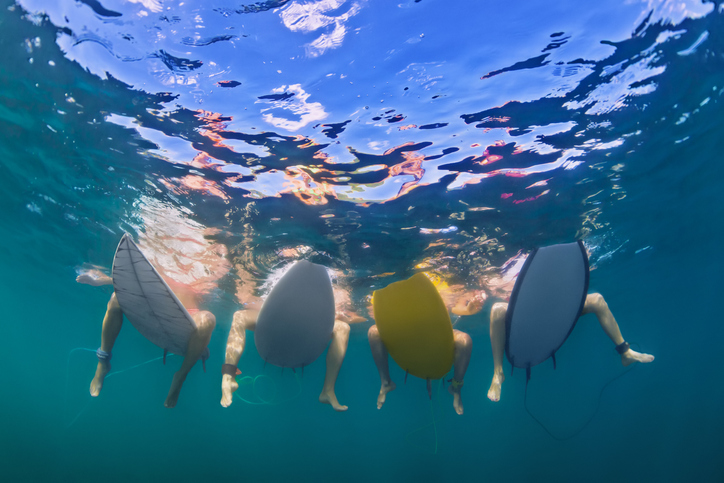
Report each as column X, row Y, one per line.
column 125, row 241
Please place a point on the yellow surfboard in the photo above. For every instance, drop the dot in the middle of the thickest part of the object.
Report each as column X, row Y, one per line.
column 415, row 327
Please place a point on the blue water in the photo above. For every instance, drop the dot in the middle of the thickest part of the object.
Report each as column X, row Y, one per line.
column 379, row 139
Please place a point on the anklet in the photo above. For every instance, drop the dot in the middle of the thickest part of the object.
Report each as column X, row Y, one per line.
column 103, row 355
column 622, row 347
column 455, row 384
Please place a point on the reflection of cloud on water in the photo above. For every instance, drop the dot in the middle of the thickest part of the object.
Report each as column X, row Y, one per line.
column 153, row 5
column 614, row 95
column 308, row 17
column 673, row 12
column 296, row 103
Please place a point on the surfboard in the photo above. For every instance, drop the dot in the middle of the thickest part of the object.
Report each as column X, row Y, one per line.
column 415, row 327
column 148, row 302
column 546, row 302
column 296, row 320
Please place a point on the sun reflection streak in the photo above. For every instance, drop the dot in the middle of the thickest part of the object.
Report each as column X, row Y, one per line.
column 194, row 183
column 180, row 250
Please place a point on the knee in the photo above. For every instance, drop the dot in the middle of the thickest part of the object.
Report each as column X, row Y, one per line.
column 373, row 333
column 341, row 328
column 113, row 304
column 245, row 319
column 463, row 340
column 205, row 321
column 595, row 302
column 497, row 313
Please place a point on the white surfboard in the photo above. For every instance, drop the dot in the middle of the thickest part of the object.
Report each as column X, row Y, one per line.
column 148, row 302
column 297, row 318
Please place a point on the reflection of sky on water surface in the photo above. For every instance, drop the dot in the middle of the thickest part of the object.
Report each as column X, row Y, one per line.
column 417, row 116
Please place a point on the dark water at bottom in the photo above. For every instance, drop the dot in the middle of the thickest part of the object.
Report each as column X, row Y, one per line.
column 658, row 423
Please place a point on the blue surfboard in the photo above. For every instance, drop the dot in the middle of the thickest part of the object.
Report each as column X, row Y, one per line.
column 546, row 302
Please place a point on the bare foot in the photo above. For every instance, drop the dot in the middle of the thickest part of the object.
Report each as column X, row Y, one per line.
column 349, row 317
column 94, row 277
column 331, row 399
column 494, row 391
column 175, row 390
column 384, row 389
column 470, row 307
column 228, row 388
column 104, row 367
column 354, row 318
column 457, row 400
column 631, row 356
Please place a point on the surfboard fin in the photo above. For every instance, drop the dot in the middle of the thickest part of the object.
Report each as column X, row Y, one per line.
column 554, row 360
column 406, row 373
column 165, row 351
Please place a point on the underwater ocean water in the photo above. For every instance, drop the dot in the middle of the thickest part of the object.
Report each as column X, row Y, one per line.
column 379, row 139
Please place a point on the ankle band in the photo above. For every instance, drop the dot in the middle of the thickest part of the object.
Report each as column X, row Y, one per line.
column 456, row 384
column 103, row 355
column 229, row 369
column 622, row 347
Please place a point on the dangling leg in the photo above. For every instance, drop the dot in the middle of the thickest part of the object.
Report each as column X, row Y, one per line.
column 205, row 323
column 335, row 357
column 111, row 327
column 471, row 305
column 379, row 354
column 596, row 304
column 463, row 348
column 497, row 342
column 243, row 320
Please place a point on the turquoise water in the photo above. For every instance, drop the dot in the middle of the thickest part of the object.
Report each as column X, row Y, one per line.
column 379, row 139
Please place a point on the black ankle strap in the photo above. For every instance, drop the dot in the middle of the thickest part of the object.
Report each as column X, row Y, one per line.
column 229, row 369
column 622, row 347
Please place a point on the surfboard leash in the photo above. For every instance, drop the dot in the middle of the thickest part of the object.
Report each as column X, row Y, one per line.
column 588, row 421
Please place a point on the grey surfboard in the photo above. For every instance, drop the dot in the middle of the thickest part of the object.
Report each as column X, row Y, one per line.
column 297, row 318
column 148, row 302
